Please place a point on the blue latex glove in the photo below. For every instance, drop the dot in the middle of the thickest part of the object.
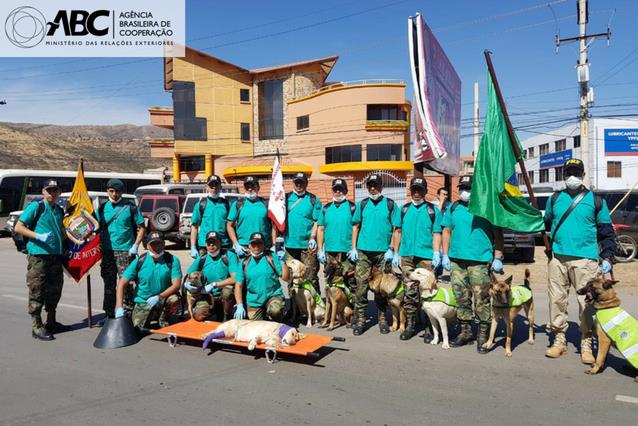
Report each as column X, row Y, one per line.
column 209, row 287
column 119, row 312
column 194, row 252
column 133, row 250
column 240, row 312
column 396, row 260
column 190, row 287
column 312, row 244
column 281, row 255
column 321, row 257
column 605, row 267
column 445, row 261
column 497, row 265
column 436, row 259
column 152, row 301
column 43, row 237
column 353, row 255
column 239, row 250
column 388, row 255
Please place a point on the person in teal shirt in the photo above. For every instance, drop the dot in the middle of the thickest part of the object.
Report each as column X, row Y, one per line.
column 374, row 241
column 41, row 224
column 470, row 243
column 419, row 248
column 584, row 238
column 212, row 218
column 159, row 277
column 218, row 267
column 247, row 216
column 123, row 229
column 259, row 273
column 303, row 210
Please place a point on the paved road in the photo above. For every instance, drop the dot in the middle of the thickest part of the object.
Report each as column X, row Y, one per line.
column 371, row 379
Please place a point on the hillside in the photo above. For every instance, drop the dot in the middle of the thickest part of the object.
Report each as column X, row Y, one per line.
column 121, row 148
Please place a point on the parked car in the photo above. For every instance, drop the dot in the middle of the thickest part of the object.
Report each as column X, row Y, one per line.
column 162, row 212
column 626, row 214
column 179, row 189
column 520, row 245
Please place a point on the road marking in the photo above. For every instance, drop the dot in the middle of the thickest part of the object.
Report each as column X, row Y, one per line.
column 625, row 398
column 65, row 305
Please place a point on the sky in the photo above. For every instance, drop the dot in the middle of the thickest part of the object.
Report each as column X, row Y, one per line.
column 370, row 37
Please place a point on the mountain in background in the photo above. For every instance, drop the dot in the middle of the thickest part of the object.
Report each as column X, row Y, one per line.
column 119, row 148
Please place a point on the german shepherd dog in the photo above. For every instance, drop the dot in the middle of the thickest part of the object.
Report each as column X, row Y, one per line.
column 385, row 283
column 338, row 304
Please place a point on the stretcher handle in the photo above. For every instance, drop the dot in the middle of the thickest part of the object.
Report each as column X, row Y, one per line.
column 338, row 339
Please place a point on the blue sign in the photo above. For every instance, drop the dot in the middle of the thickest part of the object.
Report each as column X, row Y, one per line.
column 621, row 141
column 555, row 159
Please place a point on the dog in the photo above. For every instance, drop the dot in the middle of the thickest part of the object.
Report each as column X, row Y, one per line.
column 199, row 281
column 600, row 293
column 387, row 285
column 272, row 334
column 338, row 298
column 440, row 312
column 303, row 296
column 507, row 302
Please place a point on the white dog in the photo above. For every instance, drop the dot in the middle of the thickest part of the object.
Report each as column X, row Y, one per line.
column 305, row 300
column 272, row 334
column 438, row 304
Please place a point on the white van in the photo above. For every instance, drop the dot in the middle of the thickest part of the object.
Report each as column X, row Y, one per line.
column 179, row 189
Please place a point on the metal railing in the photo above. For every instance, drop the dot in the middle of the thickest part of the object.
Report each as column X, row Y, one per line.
column 358, row 83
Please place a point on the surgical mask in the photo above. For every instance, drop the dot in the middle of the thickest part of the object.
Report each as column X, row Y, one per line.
column 465, row 196
column 339, row 199
column 573, row 182
column 258, row 255
column 157, row 255
column 418, row 202
column 215, row 253
column 375, row 197
column 252, row 195
column 213, row 196
column 299, row 193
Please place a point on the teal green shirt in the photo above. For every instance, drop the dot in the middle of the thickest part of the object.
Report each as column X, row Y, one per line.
column 577, row 236
column 417, row 229
column 472, row 236
column 377, row 223
column 260, row 281
column 119, row 234
column 252, row 217
column 336, row 218
column 300, row 219
column 154, row 276
column 215, row 270
column 213, row 219
column 50, row 221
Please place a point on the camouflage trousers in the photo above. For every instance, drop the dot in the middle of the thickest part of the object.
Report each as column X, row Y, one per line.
column 347, row 267
column 362, row 272
column 469, row 279
column 312, row 265
column 114, row 263
column 44, row 280
column 274, row 309
column 143, row 313
column 412, row 296
column 205, row 305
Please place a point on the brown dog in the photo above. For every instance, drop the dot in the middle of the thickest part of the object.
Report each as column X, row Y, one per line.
column 387, row 285
column 338, row 298
column 305, row 300
column 197, row 280
column 599, row 292
column 507, row 302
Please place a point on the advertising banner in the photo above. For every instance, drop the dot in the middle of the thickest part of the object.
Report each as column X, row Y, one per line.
column 621, row 142
column 555, row 159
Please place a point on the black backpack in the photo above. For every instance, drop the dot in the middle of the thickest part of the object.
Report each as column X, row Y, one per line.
column 428, row 206
column 18, row 239
column 104, row 224
column 240, row 203
column 353, row 207
column 598, row 203
column 313, row 199
column 268, row 259
column 168, row 259
column 202, row 260
column 390, row 202
column 204, row 201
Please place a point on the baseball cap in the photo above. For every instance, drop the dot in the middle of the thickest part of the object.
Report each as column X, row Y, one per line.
column 116, row 184
column 213, row 180
column 465, row 182
column 418, row 182
column 51, row 183
column 256, row 236
column 300, row 177
column 574, row 164
column 154, row 236
column 250, row 180
column 212, row 236
column 376, row 179
column 340, row 183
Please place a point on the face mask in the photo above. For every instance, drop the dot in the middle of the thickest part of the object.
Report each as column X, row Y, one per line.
column 213, row 196
column 339, row 198
column 465, row 196
column 157, row 255
column 375, row 197
column 215, row 253
column 252, row 195
column 299, row 193
column 258, row 255
column 573, row 182
column 418, row 202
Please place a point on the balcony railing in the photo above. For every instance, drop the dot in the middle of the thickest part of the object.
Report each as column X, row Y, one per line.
column 358, row 83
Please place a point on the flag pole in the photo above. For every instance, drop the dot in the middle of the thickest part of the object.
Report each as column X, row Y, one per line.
column 512, row 137
column 89, row 316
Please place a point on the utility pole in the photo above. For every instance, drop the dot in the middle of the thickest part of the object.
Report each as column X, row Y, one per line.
column 586, row 94
column 476, row 120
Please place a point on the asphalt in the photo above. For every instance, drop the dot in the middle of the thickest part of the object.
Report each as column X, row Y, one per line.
column 372, row 379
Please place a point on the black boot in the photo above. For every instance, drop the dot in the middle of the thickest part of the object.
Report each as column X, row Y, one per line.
column 410, row 328
column 358, row 322
column 383, row 322
column 465, row 336
column 38, row 331
column 481, row 338
column 427, row 334
column 53, row 326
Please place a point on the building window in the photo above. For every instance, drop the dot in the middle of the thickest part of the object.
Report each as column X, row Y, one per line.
column 520, row 178
column 343, row 154
column 303, row 122
column 577, row 141
column 560, row 145
column 386, row 113
column 186, row 125
column 543, row 149
column 530, row 152
column 245, row 132
column 614, row 169
column 244, row 95
column 531, row 176
column 191, row 164
column 558, row 174
column 271, row 109
column 543, row 176
column 383, row 152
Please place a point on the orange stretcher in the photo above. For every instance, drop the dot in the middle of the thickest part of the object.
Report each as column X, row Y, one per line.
column 194, row 330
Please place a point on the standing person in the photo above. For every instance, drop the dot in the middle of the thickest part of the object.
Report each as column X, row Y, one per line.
column 247, row 216
column 374, row 242
column 303, row 210
column 260, row 274
column 159, row 276
column 122, row 232
column 419, row 248
column 443, row 197
column 470, row 243
column 579, row 223
column 41, row 223
column 209, row 216
column 218, row 267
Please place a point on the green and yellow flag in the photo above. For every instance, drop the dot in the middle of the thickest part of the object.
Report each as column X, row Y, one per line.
column 495, row 193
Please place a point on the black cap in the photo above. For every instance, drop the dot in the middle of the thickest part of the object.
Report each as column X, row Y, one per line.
column 376, row 179
column 154, row 236
column 256, row 236
column 418, row 182
column 574, row 164
column 213, row 236
column 213, row 180
column 51, row 183
column 340, row 183
column 301, row 176
column 465, row 182
column 116, row 184
column 250, row 180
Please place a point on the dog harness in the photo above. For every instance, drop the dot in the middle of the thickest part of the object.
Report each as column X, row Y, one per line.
column 307, row 285
column 397, row 291
column 443, row 295
column 518, row 296
column 344, row 288
column 622, row 329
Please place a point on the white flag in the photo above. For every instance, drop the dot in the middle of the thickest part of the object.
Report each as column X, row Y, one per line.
column 277, row 202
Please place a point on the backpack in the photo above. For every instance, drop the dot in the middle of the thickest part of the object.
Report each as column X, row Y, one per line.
column 204, row 201
column 268, row 258
column 168, row 259
column 104, row 225
column 598, row 202
column 240, row 203
column 18, row 239
column 202, row 260
column 390, row 202
column 428, row 206
column 353, row 207
column 453, row 206
column 313, row 199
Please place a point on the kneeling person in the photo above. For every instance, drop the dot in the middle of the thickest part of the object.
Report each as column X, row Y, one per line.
column 158, row 275
column 218, row 267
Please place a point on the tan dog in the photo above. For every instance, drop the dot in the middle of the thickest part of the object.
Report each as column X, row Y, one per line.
column 599, row 292
column 338, row 303
column 272, row 334
column 305, row 300
column 440, row 312
column 387, row 285
column 197, row 280
column 507, row 302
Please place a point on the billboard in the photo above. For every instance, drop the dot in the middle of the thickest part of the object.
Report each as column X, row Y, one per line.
column 621, row 142
column 555, row 159
column 437, row 101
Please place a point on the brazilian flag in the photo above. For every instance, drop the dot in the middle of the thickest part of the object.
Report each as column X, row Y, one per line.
column 495, row 193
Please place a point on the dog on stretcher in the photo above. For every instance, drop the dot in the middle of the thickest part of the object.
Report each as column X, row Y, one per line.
column 272, row 334
column 305, row 300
